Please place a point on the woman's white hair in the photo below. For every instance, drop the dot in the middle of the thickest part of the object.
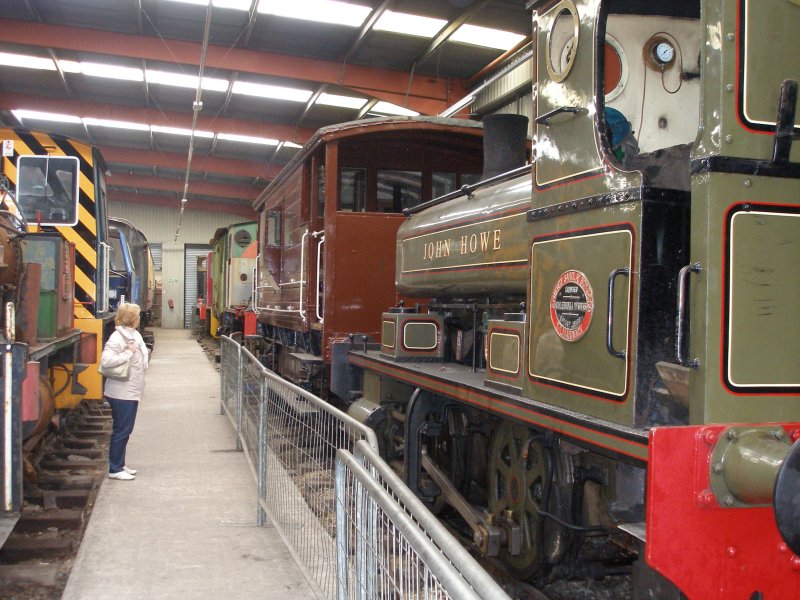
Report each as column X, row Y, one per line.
column 128, row 315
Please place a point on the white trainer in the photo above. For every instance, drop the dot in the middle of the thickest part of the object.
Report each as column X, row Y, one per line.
column 122, row 475
column 129, row 471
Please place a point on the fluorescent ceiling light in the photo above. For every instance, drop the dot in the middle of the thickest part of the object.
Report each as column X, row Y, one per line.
column 111, row 71
column 235, row 4
column 26, row 61
column 486, row 37
column 45, row 116
column 22, row 114
column 187, row 81
column 323, row 11
column 273, row 92
column 387, row 108
column 409, row 24
column 116, row 124
column 70, row 66
column 248, row 139
column 181, row 131
column 343, row 101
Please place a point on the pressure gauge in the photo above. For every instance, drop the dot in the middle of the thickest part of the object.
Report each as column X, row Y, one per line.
column 663, row 53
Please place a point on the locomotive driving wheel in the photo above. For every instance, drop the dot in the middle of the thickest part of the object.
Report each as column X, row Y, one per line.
column 517, row 480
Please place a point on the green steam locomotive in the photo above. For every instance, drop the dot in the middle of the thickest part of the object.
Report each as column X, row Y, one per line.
column 605, row 376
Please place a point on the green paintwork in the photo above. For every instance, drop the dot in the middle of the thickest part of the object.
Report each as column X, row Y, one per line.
column 420, row 336
column 745, row 463
column 736, row 77
column 506, row 358
column 48, row 251
column 771, row 55
column 765, row 299
column 483, row 250
column 566, row 147
column 389, row 334
column 46, row 327
column 583, row 364
column 398, row 383
column 504, row 347
column 410, row 335
column 765, row 288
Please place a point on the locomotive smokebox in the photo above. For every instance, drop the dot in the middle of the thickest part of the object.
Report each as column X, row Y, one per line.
column 505, row 143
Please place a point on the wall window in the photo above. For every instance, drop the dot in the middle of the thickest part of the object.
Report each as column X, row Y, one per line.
column 157, row 250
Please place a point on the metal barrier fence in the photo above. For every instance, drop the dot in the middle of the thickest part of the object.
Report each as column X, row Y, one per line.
column 390, row 545
column 291, row 439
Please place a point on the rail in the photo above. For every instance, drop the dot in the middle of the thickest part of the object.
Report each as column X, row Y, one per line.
column 291, row 439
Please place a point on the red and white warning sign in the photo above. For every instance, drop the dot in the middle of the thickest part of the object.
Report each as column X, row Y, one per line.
column 571, row 306
column 8, row 147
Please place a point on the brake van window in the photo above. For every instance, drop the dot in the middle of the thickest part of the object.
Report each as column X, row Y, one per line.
column 398, row 190
column 47, row 189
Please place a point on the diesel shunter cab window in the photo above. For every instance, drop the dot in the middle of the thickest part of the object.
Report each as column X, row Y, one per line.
column 47, row 189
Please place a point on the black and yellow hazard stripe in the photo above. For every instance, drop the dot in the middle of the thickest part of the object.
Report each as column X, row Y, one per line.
column 84, row 234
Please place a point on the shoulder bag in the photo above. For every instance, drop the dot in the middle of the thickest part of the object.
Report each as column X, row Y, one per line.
column 121, row 372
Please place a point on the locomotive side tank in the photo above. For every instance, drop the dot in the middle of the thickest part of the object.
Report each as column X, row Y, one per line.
column 617, row 360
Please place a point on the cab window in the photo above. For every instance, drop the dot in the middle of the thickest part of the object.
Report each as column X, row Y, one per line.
column 47, row 189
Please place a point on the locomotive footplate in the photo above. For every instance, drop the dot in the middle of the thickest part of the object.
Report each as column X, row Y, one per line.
column 461, row 383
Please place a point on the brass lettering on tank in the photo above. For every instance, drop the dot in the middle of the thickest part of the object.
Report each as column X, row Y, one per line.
column 485, row 241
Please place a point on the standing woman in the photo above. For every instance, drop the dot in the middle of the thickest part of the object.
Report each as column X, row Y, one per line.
column 125, row 344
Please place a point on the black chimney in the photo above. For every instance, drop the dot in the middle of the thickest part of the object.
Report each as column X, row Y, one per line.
column 505, row 143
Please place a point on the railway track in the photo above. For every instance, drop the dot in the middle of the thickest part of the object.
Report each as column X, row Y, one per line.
column 63, row 476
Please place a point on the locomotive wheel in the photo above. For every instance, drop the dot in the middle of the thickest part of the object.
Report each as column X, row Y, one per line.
column 517, row 477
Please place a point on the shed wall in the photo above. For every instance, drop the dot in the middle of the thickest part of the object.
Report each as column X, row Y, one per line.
column 158, row 224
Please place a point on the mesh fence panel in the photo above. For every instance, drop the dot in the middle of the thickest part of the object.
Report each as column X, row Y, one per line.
column 384, row 549
column 229, row 374
column 290, row 438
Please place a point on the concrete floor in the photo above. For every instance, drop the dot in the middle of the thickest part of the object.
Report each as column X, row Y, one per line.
column 185, row 528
